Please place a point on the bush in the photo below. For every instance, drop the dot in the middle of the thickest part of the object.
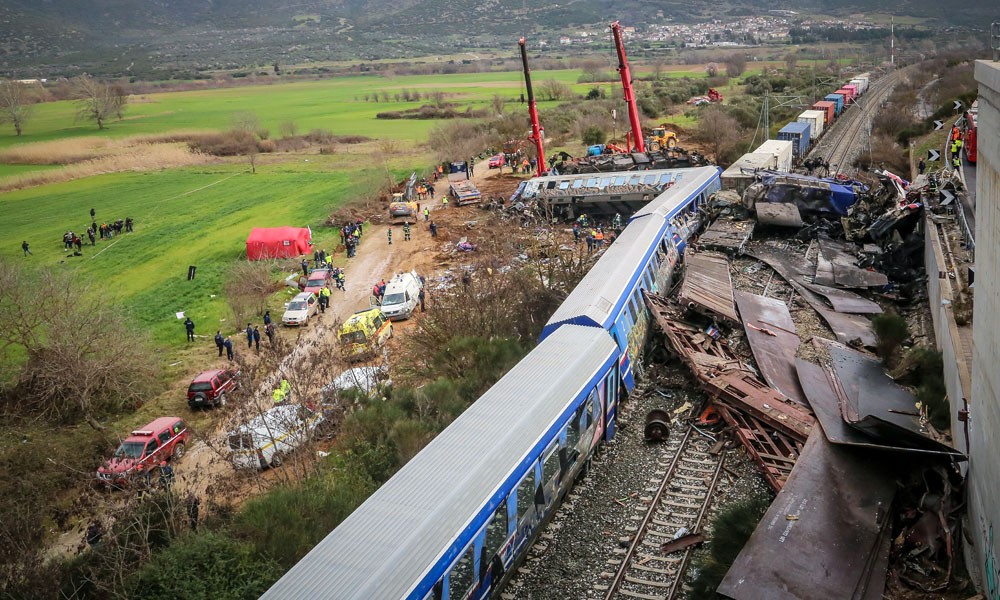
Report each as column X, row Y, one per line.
column 731, row 529
column 593, row 135
column 287, row 522
column 891, row 330
column 205, row 565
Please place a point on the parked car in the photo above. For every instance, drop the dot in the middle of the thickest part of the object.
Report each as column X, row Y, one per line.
column 497, row 161
column 268, row 438
column 317, row 279
column 299, row 310
column 160, row 440
column 209, row 388
column 402, row 296
column 363, row 333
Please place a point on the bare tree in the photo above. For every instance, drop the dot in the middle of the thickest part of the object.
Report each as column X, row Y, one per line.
column 16, row 101
column 736, row 64
column 82, row 361
column 550, row 89
column 245, row 128
column 99, row 101
column 718, row 129
column 791, row 60
column 498, row 104
column 712, row 69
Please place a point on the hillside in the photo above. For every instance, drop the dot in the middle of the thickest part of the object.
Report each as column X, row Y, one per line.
column 63, row 37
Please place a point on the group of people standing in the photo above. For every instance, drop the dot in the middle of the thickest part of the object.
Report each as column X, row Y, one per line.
column 350, row 237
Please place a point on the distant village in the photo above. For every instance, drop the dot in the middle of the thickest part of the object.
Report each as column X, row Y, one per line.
column 746, row 31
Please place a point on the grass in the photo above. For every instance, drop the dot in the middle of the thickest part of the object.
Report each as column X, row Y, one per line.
column 192, row 216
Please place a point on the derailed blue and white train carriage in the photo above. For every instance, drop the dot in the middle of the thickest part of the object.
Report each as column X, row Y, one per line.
column 641, row 258
column 457, row 517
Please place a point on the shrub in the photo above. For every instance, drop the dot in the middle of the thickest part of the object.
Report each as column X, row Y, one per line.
column 205, row 565
column 593, row 135
column 731, row 529
column 891, row 330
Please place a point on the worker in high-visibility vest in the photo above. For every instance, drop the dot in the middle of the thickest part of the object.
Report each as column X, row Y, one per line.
column 282, row 392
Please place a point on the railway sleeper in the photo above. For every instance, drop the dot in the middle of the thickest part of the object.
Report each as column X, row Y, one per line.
column 640, row 596
column 646, row 582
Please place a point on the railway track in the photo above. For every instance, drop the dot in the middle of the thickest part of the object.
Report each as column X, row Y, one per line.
column 688, row 476
column 838, row 152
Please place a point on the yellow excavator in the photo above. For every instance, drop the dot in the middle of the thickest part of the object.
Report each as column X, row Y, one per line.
column 661, row 138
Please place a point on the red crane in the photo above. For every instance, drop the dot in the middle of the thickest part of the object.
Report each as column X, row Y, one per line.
column 633, row 111
column 536, row 129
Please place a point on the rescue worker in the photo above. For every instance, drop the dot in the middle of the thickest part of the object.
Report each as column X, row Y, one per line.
column 267, row 318
column 421, row 296
column 249, row 331
column 325, row 295
column 957, row 162
column 406, row 231
column 282, row 392
column 219, row 341
column 228, row 344
column 444, row 201
column 189, row 327
column 389, row 234
column 24, row 247
column 427, row 214
column 921, row 166
column 166, row 474
column 305, row 267
column 434, row 229
column 256, row 337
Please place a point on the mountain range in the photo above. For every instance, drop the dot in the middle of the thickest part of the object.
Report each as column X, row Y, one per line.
column 39, row 37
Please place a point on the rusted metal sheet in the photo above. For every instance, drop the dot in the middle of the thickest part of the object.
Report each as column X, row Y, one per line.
column 872, row 403
column 848, row 328
column 837, row 266
column 779, row 214
column 743, row 391
column 727, row 235
column 774, row 342
column 773, row 452
column 818, row 537
column 708, row 287
column 844, row 301
column 701, row 352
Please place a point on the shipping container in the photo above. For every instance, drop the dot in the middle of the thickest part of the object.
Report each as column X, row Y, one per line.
column 838, row 102
column 848, row 95
column 815, row 119
column 829, row 110
column 862, row 85
column 740, row 175
column 798, row 134
column 853, row 89
column 782, row 152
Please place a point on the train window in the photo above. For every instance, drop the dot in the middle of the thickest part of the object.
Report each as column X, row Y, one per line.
column 577, row 184
column 633, row 180
column 461, row 578
column 631, row 309
column 550, row 468
column 649, row 179
column 605, row 182
column 573, row 429
column 563, row 185
column 620, row 180
column 526, row 494
column 592, row 182
column 588, row 417
column 496, row 532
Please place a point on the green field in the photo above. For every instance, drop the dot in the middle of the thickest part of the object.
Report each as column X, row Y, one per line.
column 196, row 216
column 337, row 105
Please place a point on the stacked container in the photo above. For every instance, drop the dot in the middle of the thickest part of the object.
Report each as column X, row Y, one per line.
column 829, row 110
column 782, row 152
column 838, row 102
column 740, row 175
column 848, row 93
column 815, row 119
column 798, row 134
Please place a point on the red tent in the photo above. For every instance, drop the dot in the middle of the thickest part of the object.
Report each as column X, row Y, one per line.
column 278, row 242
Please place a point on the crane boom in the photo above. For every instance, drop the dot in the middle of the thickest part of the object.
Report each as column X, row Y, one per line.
column 623, row 70
column 536, row 129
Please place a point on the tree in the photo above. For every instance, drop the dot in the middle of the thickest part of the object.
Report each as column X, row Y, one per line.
column 712, row 69
column 791, row 60
column 80, row 359
column 736, row 64
column 550, row 89
column 718, row 129
column 245, row 128
column 99, row 101
column 15, row 104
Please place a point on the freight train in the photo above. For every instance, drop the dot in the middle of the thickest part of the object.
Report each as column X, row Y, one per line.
column 456, row 520
column 795, row 139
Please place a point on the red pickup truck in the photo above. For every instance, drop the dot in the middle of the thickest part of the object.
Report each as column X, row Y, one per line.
column 209, row 388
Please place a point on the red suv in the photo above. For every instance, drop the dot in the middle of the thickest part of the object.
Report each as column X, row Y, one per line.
column 145, row 449
column 209, row 388
column 317, row 279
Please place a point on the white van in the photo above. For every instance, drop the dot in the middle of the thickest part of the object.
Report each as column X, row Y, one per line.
column 269, row 437
column 402, row 296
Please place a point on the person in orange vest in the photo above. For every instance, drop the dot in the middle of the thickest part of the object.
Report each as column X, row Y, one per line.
column 955, row 133
column 599, row 238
